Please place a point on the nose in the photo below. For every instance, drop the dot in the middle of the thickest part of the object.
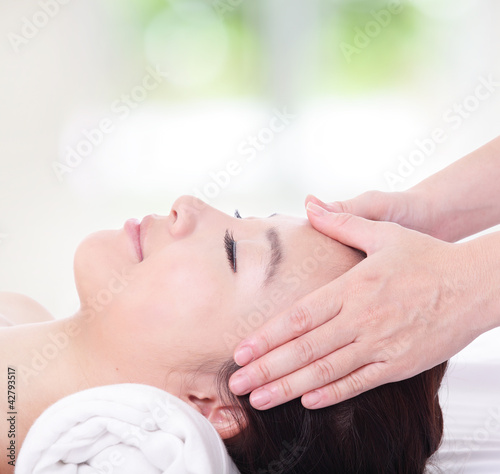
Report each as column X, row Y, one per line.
column 186, row 212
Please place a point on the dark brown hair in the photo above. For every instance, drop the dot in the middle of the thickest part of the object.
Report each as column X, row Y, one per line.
column 392, row 429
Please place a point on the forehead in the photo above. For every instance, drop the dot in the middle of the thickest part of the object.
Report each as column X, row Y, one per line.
column 301, row 241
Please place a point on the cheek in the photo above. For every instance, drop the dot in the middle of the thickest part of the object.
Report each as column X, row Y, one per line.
column 178, row 304
column 169, row 296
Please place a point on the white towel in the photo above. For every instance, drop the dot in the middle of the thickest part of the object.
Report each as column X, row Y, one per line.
column 123, row 429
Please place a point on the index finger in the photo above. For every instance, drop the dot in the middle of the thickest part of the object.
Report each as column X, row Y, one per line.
column 303, row 316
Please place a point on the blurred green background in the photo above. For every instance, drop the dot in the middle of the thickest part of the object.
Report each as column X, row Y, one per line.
column 111, row 109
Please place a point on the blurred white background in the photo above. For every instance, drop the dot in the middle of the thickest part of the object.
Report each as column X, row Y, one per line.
column 184, row 88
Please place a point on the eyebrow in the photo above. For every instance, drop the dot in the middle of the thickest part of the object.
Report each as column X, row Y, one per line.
column 276, row 253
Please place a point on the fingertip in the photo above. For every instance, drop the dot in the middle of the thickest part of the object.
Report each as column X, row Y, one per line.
column 261, row 399
column 308, row 198
column 315, row 200
column 240, row 383
column 335, row 206
column 243, row 355
column 311, row 399
column 316, row 210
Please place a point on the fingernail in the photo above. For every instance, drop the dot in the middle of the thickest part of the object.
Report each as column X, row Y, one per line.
column 243, row 356
column 259, row 398
column 316, row 210
column 240, row 384
column 311, row 399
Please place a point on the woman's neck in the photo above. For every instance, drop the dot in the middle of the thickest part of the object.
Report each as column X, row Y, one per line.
column 57, row 358
column 55, row 354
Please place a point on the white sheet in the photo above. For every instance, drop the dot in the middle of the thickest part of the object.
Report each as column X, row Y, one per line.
column 470, row 397
column 126, row 429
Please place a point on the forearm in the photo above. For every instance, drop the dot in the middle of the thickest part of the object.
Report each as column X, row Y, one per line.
column 483, row 268
column 466, row 193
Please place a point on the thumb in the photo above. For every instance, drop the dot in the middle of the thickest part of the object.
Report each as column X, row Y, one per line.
column 373, row 205
column 363, row 234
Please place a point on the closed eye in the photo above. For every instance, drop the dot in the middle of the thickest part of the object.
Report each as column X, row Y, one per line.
column 230, row 245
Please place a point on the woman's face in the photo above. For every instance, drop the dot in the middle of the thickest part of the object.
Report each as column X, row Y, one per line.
column 189, row 294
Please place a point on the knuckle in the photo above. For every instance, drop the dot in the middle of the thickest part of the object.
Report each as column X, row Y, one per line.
column 395, row 233
column 333, row 392
column 323, row 371
column 373, row 372
column 301, row 320
column 391, row 350
column 263, row 372
column 345, row 219
column 286, row 389
column 346, row 206
column 355, row 383
column 263, row 342
column 304, row 351
column 407, row 367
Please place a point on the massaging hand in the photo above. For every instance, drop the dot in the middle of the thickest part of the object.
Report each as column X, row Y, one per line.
column 413, row 303
column 411, row 209
column 404, row 309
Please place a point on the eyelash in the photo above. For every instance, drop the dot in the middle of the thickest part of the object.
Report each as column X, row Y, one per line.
column 230, row 245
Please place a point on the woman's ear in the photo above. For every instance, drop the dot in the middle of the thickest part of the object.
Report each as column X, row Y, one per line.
column 227, row 420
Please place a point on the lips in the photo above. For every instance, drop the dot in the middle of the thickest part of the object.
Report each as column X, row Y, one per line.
column 133, row 229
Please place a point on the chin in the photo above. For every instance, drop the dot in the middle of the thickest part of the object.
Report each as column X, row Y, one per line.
column 95, row 258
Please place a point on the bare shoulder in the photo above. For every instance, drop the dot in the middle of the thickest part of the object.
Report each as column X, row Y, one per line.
column 16, row 308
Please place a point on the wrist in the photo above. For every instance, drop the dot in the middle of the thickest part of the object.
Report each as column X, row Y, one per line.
column 483, row 269
column 426, row 213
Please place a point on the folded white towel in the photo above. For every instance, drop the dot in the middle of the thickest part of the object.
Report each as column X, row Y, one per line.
column 123, row 429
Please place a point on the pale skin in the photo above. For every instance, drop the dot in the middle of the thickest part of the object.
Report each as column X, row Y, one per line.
column 417, row 300
column 165, row 314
